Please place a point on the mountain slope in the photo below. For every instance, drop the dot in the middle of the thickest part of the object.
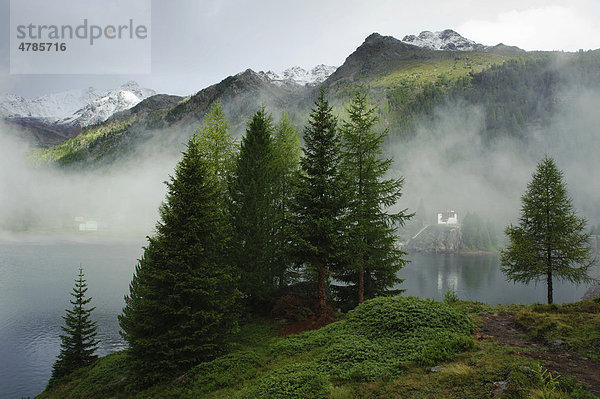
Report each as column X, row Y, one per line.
column 405, row 83
column 50, row 120
column 165, row 122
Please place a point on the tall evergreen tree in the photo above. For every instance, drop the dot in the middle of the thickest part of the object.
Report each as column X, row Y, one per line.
column 318, row 202
column 254, row 212
column 287, row 162
column 79, row 343
column 181, row 305
column 372, row 259
column 550, row 240
column 217, row 144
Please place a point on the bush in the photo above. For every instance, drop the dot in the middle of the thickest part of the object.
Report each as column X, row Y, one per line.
column 397, row 316
column 381, row 336
column 296, row 381
column 225, row 371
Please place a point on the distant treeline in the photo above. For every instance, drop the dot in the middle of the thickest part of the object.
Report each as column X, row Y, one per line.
column 478, row 234
column 513, row 94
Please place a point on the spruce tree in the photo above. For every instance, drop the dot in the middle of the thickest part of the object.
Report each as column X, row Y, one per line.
column 287, row 162
column 79, row 343
column 550, row 241
column 181, row 305
column 253, row 212
column 318, row 202
column 372, row 259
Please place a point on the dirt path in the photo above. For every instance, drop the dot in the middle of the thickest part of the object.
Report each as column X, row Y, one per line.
column 503, row 329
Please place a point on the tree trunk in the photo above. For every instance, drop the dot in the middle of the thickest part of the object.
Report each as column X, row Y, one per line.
column 361, row 285
column 322, row 299
column 549, row 284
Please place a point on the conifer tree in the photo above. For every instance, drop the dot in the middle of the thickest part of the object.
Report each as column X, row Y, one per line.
column 181, row 305
column 550, row 241
column 79, row 343
column 318, row 202
column 372, row 259
column 217, row 144
column 287, row 162
column 253, row 212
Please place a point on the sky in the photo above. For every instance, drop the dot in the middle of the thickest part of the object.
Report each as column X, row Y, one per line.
column 199, row 43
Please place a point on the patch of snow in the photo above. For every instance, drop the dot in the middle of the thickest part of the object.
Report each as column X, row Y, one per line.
column 111, row 102
column 76, row 107
column 56, row 105
column 444, row 40
column 300, row 76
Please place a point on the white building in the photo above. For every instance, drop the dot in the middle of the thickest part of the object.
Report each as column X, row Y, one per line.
column 449, row 217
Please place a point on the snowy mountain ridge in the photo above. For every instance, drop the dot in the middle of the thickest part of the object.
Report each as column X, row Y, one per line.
column 443, row 40
column 55, row 105
column 75, row 107
column 300, row 76
column 111, row 102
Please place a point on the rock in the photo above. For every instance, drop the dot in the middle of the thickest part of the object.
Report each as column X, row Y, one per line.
column 501, row 385
column 557, row 343
column 436, row 369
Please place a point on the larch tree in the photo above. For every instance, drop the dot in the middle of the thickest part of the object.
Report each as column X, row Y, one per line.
column 79, row 343
column 217, row 144
column 550, row 241
column 372, row 259
column 318, row 201
column 181, row 306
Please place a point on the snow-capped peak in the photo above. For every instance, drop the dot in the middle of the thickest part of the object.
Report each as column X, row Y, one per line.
column 444, row 40
column 115, row 100
column 55, row 105
column 300, row 76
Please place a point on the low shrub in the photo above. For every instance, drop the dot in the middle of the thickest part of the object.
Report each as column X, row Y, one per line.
column 296, row 381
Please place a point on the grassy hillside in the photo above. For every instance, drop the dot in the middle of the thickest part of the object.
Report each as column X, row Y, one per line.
column 385, row 348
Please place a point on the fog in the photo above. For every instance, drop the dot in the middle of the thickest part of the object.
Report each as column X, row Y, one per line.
column 448, row 166
column 122, row 199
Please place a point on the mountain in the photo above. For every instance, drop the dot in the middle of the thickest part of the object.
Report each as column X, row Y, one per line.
column 56, row 105
column 101, row 108
column 51, row 119
column 300, row 76
column 406, row 83
column 444, row 40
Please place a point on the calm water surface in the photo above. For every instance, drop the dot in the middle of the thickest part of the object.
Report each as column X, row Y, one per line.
column 36, row 276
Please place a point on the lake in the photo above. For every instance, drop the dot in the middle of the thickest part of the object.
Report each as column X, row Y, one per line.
column 38, row 273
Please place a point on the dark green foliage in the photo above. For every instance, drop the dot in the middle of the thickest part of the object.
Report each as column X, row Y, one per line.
column 225, row 371
column 475, row 233
column 397, row 316
column 380, row 337
column 549, row 241
column 286, row 145
column 296, row 381
column 371, row 261
column 79, row 343
column 181, row 305
column 254, row 212
column 318, row 202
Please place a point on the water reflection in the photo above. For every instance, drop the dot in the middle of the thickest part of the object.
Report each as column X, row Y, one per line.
column 476, row 278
